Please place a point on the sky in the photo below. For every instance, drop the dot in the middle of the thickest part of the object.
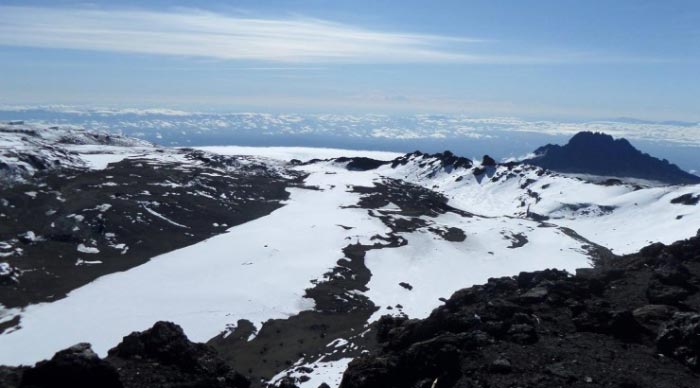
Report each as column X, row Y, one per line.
column 534, row 59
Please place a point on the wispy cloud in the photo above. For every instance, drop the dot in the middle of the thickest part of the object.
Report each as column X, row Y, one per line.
column 211, row 35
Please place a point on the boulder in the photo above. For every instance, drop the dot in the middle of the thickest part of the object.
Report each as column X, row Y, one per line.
column 75, row 367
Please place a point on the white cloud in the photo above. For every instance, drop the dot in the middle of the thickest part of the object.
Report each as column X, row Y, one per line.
column 205, row 34
column 390, row 126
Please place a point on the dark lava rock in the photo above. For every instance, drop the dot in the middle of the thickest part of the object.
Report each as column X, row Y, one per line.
column 686, row 199
column 611, row 182
column 680, row 339
column 160, row 357
column 549, row 329
column 600, row 319
column 488, row 161
column 600, row 154
column 77, row 367
column 10, row 376
column 478, row 171
column 660, row 293
column 165, row 342
column 653, row 314
column 361, row 163
column 672, row 273
column 163, row 353
column 406, row 286
column 501, row 365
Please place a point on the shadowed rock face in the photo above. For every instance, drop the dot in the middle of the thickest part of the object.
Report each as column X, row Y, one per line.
column 605, row 327
column 600, row 154
column 77, row 366
column 156, row 358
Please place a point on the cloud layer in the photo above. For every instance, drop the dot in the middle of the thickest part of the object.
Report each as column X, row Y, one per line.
column 205, row 34
column 416, row 126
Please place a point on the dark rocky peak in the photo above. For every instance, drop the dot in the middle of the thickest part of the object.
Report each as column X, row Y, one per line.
column 449, row 159
column 445, row 159
column 601, row 141
column 403, row 160
column 165, row 342
column 488, row 161
column 601, row 154
column 174, row 359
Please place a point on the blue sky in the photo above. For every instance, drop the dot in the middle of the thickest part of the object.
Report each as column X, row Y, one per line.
column 535, row 59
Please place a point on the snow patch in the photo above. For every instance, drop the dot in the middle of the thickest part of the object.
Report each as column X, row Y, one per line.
column 85, row 249
column 329, row 372
column 87, row 262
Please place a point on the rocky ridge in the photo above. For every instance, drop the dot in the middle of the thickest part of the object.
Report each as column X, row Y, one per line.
column 28, row 149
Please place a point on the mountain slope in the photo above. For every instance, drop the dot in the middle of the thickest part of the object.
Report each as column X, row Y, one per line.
column 631, row 321
column 283, row 265
column 110, row 203
column 620, row 216
column 600, row 154
column 28, row 149
column 604, row 327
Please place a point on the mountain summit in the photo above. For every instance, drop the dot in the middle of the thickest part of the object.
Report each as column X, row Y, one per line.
column 601, row 154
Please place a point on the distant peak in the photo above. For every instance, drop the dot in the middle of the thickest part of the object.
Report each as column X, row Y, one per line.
column 596, row 138
column 588, row 136
column 601, row 154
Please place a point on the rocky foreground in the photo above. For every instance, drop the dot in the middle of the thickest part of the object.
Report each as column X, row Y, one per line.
column 161, row 356
column 631, row 321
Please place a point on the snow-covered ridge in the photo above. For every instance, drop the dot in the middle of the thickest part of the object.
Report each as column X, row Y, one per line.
column 620, row 214
column 26, row 149
column 261, row 270
column 299, row 153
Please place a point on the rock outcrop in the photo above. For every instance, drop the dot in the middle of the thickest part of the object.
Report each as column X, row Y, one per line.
column 159, row 357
